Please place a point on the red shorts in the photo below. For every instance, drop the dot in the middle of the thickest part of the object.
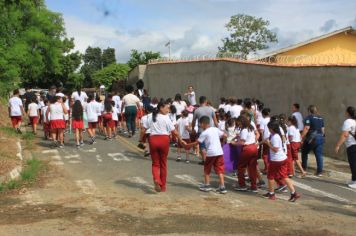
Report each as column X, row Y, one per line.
column 92, row 125
column 58, row 124
column 100, row 119
column 294, row 150
column 277, row 170
column 34, row 120
column 77, row 124
column 15, row 120
column 46, row 127
column 181, row 146
column 108, row 123
column 217, row 162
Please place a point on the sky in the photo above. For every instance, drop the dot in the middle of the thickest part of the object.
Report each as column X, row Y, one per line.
column 195, row 27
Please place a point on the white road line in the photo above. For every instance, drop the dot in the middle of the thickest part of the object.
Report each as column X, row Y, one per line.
column 57, row 163
column 19, row 151
column 87, row 186
column 56, row 158
column 98, row 158
column 320, row 192
column 74, row 162
column 50, row 151
column 188, row 178
column 76, row 156
column 118, row 157
column 92, row 150
column 139, row 181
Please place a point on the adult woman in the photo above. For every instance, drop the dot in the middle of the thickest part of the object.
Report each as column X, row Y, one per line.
column 179, row 104
column 161, row 127
column 348, row 137
column 313, row 139
column 79, row 95
column 55, row 114
column 131, row 103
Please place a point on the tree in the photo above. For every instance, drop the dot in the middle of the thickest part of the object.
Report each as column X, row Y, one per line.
column 108, row 57
column 110, row 73
column 92, row 63
column 141, row 58
column 33, row 44
column 247, row 34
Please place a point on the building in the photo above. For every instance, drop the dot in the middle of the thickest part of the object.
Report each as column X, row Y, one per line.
column 336, row 48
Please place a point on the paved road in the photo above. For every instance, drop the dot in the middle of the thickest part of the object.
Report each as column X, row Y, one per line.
column 106, row 189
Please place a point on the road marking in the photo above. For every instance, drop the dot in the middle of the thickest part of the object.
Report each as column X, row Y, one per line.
column 139, row 181
column 50, row 151
column 92, row 150
column 74, row 162
column 19, row 149
column 320, row 192
column 57, row 163
column 87, row 186
column 76, row 156
column 188, row 178
column 56, row 158
column 118, row 157
column 350, row 189
column 98, row 158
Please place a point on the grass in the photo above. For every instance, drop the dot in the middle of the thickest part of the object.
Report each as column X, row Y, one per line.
column 27, row 137
column 28, row 175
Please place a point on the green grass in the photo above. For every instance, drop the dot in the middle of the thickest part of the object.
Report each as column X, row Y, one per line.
column 27, row 176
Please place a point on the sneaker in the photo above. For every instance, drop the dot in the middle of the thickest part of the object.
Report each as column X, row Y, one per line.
column 109, row 139
column 290, row 176
column 282, row 189
column 55, row 144
column 319, row 174
column 221, row 190
column 187, row 161
column 78, row 146
column 81, row 143
column 353, row 186
column 205, row 188
column 157, row 187
column 350, row 182
column 141, row 146
column 146, row 154
column 261, row 184
column 252, row 190
column 241, row 189
column 234, row 174
column 270, row 196
column 178, row 159
column 294, row 197
column 201, row 163
column 61, row 146
column 106, row 138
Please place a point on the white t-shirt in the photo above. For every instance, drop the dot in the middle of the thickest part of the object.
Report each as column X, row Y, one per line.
column 180, row 106
column 182, row 123
column 117, row 101
column 173, row 118
column 56, row 111
column 264, row 128
column 231, row 134
column 235, row 111
column 66, row 104
column 15, row 104
column 227, row 108
column 130, row 100
column 211, row 138
column 162, row 126
column 299, row 118
column 82, row 98
column 222, row 106
column 33, row 109
column 221, row 125
column 259, row 117
column 115, row 113
column 93, row 109
column 191, row 98
column 293, row 134
column 280, row 155
column 144, row 122
column 349, row 126
column 43, row 113
column 248, row 136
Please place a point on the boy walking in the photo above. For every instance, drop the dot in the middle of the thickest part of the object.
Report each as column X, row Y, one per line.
column 210, row 137
column 16, row 110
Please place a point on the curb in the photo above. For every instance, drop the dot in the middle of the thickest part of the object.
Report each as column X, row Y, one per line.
column 15, row 172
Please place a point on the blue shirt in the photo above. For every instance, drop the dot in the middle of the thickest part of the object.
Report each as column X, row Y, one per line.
column 315, row 123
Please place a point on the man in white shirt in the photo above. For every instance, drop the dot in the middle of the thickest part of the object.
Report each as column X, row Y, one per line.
column 298, row 116
column 191, row 96
column 16, row 110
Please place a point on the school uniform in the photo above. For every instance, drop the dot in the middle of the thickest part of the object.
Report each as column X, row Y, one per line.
column 57, row 116
column 235, row 110
column 107, row 120
column 115, row 116
column 33, row 112
column 15, row 104
column 278, row 163
column 159, row 147
column 248, row 159
column 46, row 123
column 180, row 107
column 144, row 123
column 295, row 141
column 350, row 143
column 77, row 124
column 214, row 152
column 182, row 125
column 92, row 109
column 266, row 135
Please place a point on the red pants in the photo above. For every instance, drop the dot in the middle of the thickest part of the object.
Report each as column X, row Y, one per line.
column 159, row 149
column 289, row 160
column 248, row 159
column 265, row 156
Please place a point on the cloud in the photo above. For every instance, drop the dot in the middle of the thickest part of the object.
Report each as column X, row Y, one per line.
column 328, row 26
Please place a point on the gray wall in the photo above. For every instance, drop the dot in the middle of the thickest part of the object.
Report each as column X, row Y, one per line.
column 136, row 74
column 331, row 88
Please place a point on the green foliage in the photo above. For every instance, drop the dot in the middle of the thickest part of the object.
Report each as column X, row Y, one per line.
column 110, row 73
column 108, row 57
column 92, row 63
column 141, row 58
column 75, row 80
column 247, row 34
column 33, row 45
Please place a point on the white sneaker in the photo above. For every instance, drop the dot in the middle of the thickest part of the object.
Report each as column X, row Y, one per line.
column 352, row 185
column 350, row 182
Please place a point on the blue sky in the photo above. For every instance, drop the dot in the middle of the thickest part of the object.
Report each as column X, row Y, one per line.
column 195, row 27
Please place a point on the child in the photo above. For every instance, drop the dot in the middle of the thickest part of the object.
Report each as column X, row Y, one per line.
column 107, row 120
column 92, row 109
column 115, row 117
column 66, row 116
column 249, row 155
column 45, row 121
column 284, row 127
column 16, row 111
column 78, row 123
column 264, row 131
column 33, row 114
column 278, row 165
column 295, row 143
column 211, row 138
column 145, row 133
column 100, row 111
column 55, row 113
column 222, row 119
column 183, row 129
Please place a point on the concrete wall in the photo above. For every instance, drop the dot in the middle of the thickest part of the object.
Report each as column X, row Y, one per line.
column 332, row 89
column 136, row 74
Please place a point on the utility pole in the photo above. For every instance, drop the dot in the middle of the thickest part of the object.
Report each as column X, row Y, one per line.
column 169, row 49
